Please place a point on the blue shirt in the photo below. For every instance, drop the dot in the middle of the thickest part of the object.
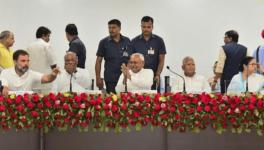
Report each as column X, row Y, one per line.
column 151, row 50
column 261, row 55
column 77, row 46
column 114, row 53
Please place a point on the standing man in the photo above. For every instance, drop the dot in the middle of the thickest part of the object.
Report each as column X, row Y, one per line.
column 115, row 49
column 230, row 56
column 42, row 56
column 152, row 47
column 76, row 45
column 6, row 53
column 259, row 52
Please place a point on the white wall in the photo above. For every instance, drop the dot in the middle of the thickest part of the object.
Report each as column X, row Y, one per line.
column 189, row 27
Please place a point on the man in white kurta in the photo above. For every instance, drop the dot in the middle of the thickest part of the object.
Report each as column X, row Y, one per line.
column 194, row 83
column 42, row 56
column 134, row 75
column 77, row 78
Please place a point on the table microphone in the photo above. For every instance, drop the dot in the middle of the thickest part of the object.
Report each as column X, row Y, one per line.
column 184, row 88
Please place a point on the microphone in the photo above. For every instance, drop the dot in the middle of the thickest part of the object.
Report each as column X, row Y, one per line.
column 71, row 84
column 184, row 87
column 247, row 81
column 1, row 87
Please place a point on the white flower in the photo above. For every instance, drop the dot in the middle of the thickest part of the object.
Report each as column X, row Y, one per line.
column 82, row 105
column 237, row 110
column 57, row 102
column 163, row 105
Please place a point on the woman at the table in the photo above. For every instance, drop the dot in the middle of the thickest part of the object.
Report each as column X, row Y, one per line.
column 247, row 73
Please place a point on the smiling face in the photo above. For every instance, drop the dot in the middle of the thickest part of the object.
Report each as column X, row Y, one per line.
column 136, row 63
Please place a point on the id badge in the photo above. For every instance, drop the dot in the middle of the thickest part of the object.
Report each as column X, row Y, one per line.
column 125, row 54
column 151, row 51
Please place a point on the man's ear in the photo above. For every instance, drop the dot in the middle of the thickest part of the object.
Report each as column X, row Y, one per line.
column 183, row 67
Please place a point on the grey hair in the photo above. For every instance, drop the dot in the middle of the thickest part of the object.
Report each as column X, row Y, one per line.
column 138, row 55
column 71, row 53
column 186, row 59
column 4, row 34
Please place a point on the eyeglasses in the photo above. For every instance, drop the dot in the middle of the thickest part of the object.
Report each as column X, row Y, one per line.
column 70, row 62
column 133, row 62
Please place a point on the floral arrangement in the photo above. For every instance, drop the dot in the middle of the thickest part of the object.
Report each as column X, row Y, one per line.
column 173, row 111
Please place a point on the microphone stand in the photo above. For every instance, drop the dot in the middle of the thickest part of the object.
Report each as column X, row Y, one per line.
column 71, row 83
column 247, row 81
column 184, row 86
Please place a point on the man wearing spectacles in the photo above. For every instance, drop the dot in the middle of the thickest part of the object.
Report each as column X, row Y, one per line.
column 134, row 76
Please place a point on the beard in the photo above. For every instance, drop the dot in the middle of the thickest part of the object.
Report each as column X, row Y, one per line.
column 21, row 69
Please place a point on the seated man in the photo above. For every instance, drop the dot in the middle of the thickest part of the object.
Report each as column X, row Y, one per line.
column 20, row 77
column 72, row 78
column 195, row 83
column 134, row 75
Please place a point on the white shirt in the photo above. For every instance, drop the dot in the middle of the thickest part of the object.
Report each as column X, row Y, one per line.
column 80, row 81
column 195, row 84
column 20, row 83
column 141, row 80
column 238, row 85
column 41, row 58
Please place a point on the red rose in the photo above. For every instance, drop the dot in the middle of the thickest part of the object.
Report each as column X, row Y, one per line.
column 35, row 98
column 2, row 108
column 26, row 99
column 199, row 108
column 260, row 103
column 23, row 119
column 77, row 99
column 164, row 116
column 30, row 105
column 9, row 101
column 147, row 99
column 207, row 108
column 177, row 117
column 213, row 117
column 253, row 99
column 18, row 99
column 136, row 114
column 20, row 108
column 215, row 109
column 48, row 104
column 65, row 106
column 106, row 107
column 1, row 99
column 191, row 110
column 181, row 109
column 172, row 109
column 157, row 107
column 242, row 108
column 114, row 108
column 123, row 107
column 34, row 114
column 40, row 105
column 107, row 100
column 251, row 107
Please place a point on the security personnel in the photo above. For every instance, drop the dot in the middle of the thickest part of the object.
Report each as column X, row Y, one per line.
column 152, row 47
column 115, row 49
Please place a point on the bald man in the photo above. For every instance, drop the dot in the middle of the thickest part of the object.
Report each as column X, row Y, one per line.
column 134, row 75
column 195, row 83
column 6, row 53
column 78, row 78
